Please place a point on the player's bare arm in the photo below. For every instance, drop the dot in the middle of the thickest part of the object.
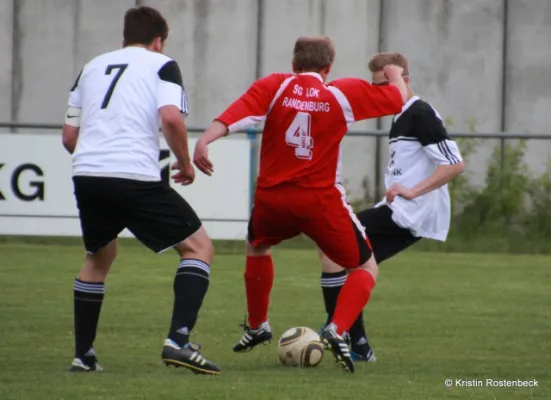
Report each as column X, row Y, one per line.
column 442, row 175
column 175, row 132
column 215, row 131
column 69, row 137
column 71, row 127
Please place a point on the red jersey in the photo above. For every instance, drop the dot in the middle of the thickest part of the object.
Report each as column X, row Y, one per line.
column 305, row 123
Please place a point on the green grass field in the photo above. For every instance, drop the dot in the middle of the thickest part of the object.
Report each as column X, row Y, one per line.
column 432, row 316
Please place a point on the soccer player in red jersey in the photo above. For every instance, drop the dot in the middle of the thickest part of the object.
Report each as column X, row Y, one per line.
column 298, row 187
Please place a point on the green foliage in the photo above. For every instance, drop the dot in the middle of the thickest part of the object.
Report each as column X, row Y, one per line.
column 460, row 188
column 511, row 212
column 538, row 217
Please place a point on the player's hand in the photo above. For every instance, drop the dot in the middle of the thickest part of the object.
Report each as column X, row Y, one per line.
column 201, row 158
column 185, row 174
column 399, row 190
column 393, row 72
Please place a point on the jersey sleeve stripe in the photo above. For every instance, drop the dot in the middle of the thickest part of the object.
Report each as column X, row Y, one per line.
column 245, row 122
column 451, row 152
column 184, row 106
column 444, row 149
column 345, row 105
column 284, row 85
column 75, row 85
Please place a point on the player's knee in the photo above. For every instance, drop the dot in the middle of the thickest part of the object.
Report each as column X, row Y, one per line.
column 197, row 246
column 371, row 267
column 207, row 248
column 97, row 265
column 327, row 265
column 257, row 251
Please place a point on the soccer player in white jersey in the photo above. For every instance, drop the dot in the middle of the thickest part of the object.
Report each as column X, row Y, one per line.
column 112, row 131
column 423, row 160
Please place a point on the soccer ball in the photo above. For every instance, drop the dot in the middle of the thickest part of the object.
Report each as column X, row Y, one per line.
column 300, row 347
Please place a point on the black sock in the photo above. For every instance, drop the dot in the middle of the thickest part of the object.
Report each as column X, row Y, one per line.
column 190, row 286
column 88, row 298
column 331, row 284
column 358, row 337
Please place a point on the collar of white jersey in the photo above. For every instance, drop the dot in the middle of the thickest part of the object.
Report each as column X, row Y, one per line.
column 312, row 74
column 406, row 106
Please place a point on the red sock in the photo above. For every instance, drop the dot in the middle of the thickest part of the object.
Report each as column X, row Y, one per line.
column 259, row 278
column 352, row 299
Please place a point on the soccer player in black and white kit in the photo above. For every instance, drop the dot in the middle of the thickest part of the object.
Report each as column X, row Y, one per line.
column 112, row 130
column 423, row 160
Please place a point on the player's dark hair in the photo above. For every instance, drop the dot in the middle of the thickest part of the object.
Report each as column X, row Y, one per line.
column 142, row 25
column 313, row 54
column 380, row 60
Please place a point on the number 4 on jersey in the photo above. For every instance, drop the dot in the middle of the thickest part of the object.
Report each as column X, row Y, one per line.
column 298, row 136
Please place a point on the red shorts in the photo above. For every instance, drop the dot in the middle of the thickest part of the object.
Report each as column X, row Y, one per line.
column 322, row 214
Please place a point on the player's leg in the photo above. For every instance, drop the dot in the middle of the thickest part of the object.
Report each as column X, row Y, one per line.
column 387, row 239
column 352, row 299
column 338, row 234
column 100, row 227
column 259, row 279
column 333, row 277
column 269, row 225
column 191, row 284
column 161, row 219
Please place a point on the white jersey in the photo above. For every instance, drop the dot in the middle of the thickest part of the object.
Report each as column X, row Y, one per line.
column 418, row 144
column 119, row 94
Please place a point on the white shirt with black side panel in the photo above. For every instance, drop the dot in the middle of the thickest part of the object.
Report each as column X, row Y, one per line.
column 120, row 93
column 418, row 144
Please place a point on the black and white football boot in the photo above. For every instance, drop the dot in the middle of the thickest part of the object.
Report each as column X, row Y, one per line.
column 253, row 337
column 339, row 346
column 187, row 356
column 86, row 363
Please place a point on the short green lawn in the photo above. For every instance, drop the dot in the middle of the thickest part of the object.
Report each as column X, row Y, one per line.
column 432, row 316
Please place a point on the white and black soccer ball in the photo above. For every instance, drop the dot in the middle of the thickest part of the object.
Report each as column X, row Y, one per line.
column 300, row 347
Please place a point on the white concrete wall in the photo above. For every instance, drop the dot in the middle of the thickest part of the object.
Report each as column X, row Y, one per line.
column 455, row 47
column 46, row 64
column 214, row 41
column 6, row 45
column 528, row 79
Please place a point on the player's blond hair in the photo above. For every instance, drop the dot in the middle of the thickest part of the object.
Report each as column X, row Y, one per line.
column 379, row 61
column 313, row 54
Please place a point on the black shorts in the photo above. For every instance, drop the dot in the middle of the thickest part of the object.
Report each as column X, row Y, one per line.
column 158, row 216
column 387, row 239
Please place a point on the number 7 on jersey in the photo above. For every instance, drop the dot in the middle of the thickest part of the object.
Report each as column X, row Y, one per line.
column 120, row 69
column 298, row 136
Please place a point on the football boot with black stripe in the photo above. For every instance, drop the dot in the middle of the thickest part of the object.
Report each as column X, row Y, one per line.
column 253, row 338
column 188, row 357
column 338, row 346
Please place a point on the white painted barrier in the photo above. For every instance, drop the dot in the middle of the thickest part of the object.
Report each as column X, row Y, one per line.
column 36, row 190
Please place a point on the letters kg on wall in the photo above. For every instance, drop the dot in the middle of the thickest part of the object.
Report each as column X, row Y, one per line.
column 24, row 182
